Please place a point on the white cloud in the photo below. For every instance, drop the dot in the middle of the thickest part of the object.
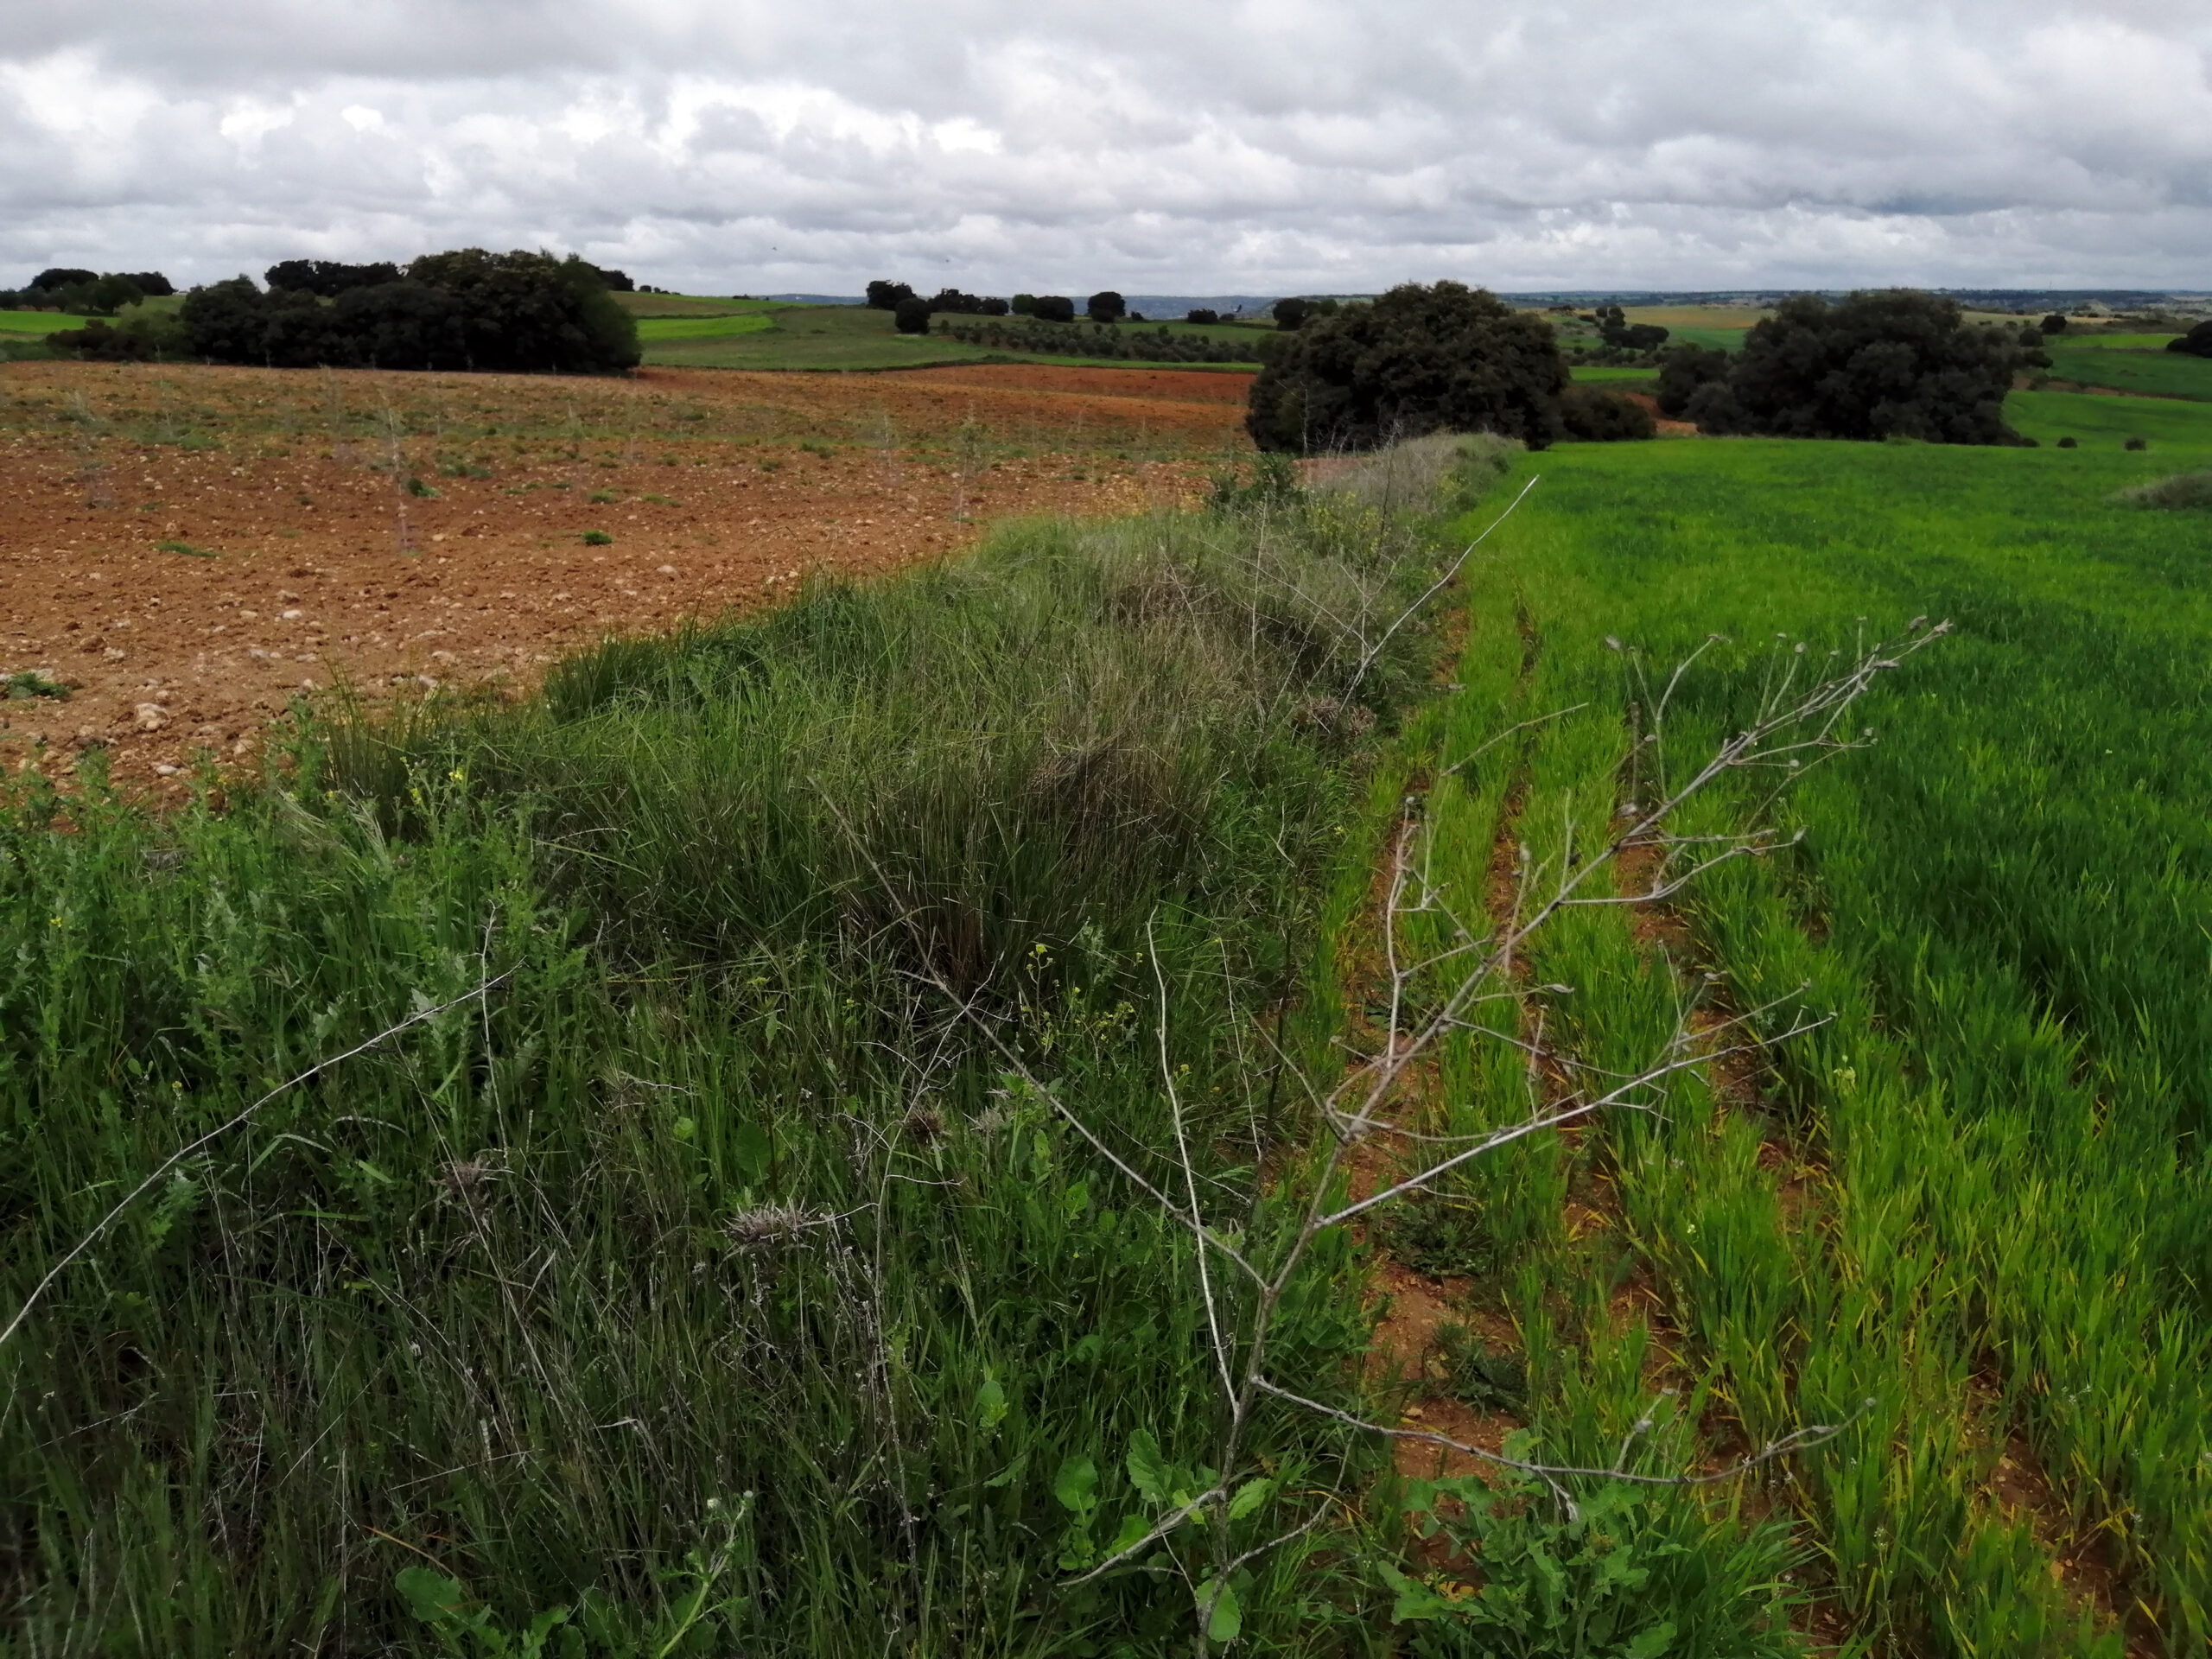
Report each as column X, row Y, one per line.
column 1147, row 146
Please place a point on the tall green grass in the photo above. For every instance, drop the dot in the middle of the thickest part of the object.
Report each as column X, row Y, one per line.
column 700, row 1260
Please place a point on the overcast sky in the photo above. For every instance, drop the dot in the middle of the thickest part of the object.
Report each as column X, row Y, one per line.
column 1157, row 146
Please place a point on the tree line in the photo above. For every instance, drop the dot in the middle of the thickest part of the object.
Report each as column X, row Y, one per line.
column 1894, row 364
column 911, row 313
column 1141, row 345
column 465, row 310
column 86, row 292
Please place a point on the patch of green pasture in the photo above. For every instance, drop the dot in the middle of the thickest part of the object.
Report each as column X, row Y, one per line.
column 1628, row 375
column 813, row 337
column 37, row 323
column 2162, row 373
column 2106, row 422
column 725, row 326
column 2072, row 341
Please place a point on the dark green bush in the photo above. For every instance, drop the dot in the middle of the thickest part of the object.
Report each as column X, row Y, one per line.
column 1417, row 360
column 139, row 340
column 1106, row 306
column 1052, row 307
column 912, row 315
column 1682, row 371
column 885, row 295
column 1592, row 415
column 1896, row 364
column 2197, row 342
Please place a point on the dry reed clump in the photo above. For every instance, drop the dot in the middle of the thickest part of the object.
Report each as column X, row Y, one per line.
column 2185, row 489
column 1446, row 470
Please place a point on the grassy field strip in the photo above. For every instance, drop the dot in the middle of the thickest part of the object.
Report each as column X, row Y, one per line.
column 2074, row 342
column 2000, row 1224
column 708, row 1263
column 2170, row 426
column 749, row 322
column 36, row 322
column 2141, row 370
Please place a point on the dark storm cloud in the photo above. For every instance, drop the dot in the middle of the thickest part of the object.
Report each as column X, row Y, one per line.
column 1151, row 146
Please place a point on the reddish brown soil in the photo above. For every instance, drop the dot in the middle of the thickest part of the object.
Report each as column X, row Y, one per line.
column 720, row 492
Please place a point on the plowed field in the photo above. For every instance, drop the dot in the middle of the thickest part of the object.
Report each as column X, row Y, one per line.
column 187, row 549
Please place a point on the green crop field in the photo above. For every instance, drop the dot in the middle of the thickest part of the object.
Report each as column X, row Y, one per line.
column 2145, row 371
column 1627, row 376
column 728, row 327
column 2097, row 422
column 36, row 322
column 802, row 337
column 1975, row 1196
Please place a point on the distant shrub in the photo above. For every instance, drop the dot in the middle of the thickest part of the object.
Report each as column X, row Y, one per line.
column 1592, row 415
column 2197, row 342
column 2137, row 444
column 2190, row 490
column 617, row 281
column 327, row 277
column 1290, row 315
column 2053, row 324
column 1894, row 364
column 1202, row 314
column 2067, row 443
column 1682, row 371
column 1052, row 307
column 1417, row 360
column 885, row 296
column 63, row 276
column 912, row 315
column 1023, row 305
column 992, row 307
column 1106, row 306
